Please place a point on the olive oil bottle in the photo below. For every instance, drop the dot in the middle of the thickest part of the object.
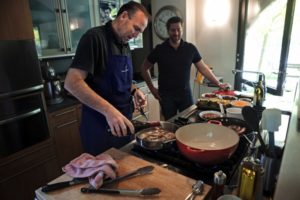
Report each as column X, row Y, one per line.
column 259, row 92
column 251, row 177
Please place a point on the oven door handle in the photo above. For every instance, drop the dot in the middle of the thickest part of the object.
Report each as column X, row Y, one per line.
column 21, row 116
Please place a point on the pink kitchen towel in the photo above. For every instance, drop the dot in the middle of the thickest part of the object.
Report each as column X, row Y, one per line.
column 96, row 168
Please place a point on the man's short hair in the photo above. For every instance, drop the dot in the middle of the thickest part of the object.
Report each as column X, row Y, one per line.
column 132, row 7
column 174, row 20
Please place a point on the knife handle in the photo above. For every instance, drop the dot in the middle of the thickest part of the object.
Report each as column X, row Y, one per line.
column 107, row 191
column 55, row 186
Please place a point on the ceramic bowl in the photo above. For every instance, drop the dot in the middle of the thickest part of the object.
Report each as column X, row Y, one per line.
column 234, row 112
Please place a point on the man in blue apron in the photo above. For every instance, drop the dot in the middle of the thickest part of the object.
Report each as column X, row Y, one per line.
column 100, row 76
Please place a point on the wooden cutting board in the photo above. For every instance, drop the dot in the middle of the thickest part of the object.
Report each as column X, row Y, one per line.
column 173, row 185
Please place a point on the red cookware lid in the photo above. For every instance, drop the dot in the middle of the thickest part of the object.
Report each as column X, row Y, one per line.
column 225, row 92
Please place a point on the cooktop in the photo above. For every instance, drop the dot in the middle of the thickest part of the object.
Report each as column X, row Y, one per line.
column 172, row 159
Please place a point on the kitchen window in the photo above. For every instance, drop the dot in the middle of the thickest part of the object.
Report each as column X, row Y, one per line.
column 267, row 43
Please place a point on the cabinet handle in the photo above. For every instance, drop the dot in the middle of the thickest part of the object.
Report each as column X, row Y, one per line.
column 66, row 112
column 67, row 123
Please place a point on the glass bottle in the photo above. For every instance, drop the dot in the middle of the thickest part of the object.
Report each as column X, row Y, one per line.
column 219, row 183
column 259, row 93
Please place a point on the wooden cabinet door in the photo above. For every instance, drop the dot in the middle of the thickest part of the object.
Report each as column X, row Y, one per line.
column 65, row 127
column 15, row 20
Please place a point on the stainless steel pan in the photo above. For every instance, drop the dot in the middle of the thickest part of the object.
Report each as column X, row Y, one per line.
column 157, row 144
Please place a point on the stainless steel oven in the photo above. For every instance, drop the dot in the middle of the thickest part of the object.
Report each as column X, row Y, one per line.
column 23, row 120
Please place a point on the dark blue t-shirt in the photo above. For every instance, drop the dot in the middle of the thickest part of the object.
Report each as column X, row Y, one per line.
column 174, row 65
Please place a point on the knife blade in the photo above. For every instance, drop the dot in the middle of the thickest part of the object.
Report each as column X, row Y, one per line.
column 137, row 172
column 145, row 191
column 64, row 184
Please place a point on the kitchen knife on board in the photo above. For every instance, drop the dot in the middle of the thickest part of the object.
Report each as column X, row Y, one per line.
column 64, row 184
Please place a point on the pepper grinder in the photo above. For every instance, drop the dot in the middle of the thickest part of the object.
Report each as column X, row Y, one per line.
column 219, row 183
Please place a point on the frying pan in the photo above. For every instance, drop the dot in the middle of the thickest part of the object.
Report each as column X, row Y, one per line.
column 157, row 144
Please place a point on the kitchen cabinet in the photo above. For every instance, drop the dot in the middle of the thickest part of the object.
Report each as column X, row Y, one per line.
column 59, row 24
column 64, row 127
column 15, row 20
column 23, row 172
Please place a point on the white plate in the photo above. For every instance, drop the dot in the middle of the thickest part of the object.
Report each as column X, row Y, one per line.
column 215, row 114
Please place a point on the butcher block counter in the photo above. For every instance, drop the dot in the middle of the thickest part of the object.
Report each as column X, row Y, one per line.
column 172, row 185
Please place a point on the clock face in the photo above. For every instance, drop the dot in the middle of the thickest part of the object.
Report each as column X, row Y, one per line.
column 161, row 18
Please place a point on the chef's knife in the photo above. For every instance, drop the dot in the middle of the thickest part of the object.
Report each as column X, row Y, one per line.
column 64, row 184
column 137, row 172
column 145, row 191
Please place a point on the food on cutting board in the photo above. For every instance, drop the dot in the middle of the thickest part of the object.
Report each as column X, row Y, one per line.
column 158, row 134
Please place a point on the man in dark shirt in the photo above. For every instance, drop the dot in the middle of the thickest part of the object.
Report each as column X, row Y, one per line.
column 100, row 76
column 174, row 58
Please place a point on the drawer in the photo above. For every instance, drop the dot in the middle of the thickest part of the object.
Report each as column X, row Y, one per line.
column 64, row 116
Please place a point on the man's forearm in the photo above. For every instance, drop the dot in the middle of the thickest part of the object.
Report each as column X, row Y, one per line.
column 86, row 95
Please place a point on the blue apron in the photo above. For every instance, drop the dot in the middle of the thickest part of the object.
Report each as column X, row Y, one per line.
column 115, row 87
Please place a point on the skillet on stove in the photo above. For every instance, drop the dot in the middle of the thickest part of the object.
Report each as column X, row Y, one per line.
column 238, row 125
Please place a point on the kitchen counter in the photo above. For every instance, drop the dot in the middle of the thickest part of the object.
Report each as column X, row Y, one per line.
column 68, row 101
column 289, row 174
column 172, row 185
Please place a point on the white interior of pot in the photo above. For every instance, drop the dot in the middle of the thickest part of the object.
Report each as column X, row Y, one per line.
column 206, row 136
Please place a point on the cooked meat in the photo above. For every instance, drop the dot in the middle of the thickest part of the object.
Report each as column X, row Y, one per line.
column 158, row 134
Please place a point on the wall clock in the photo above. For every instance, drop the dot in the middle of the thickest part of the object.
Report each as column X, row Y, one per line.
column 161, row 18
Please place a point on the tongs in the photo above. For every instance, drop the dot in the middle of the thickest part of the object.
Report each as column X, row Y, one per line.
column 145, row 191
column 75, row 181
column 141, row 110
column 140, row 171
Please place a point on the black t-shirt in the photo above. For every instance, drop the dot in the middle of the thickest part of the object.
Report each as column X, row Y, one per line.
column 92, row 51
column 174, row 65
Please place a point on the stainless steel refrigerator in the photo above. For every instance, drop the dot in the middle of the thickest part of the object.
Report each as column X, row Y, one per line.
column 23, row 121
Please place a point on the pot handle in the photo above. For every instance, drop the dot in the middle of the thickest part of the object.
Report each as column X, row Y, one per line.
column 217, row 122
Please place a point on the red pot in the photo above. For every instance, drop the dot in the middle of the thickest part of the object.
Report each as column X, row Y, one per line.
column 206, row 143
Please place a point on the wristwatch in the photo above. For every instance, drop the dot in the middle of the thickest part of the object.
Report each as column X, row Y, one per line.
column 161, row 18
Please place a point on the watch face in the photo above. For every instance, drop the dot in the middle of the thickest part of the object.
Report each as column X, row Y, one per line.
column 161, row 18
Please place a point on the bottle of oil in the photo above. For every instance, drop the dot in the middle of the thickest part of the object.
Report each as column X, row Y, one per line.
column 259, row 92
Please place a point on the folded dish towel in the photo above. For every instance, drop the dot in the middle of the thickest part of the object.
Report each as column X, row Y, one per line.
column 96, row 168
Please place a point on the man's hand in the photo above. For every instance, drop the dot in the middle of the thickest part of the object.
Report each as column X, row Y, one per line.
column 139, row 99
column 155, row 93
column 118, row 123
column 225, row 86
